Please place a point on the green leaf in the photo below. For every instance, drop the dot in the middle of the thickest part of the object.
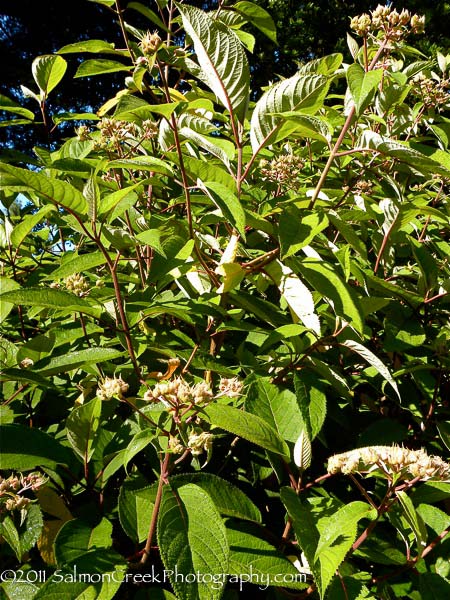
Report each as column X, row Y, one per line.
column 444, row 431
column 192, row 540
column 78, row 264
column 374, row 361
column 325, row 541
column 302, row 93
column 362, row 85
column 254, row 560
column 76, row 537
column 91, row 192
column 51, row 298
column 296, row 294
column 11, row 106
column 99, row 66
column 278, row 407
column 228, row 203
column 150, row 14
column 347, row 232
column 414, row 520
column 25, row 448
column 323, row 277
column 6, row 285
column 82, row 425
column 297, row 228
column 305, row 530
column 248, row 426
column 152, row 238
column 229, row 499
column 94, row 46
column 434, row 517
column 48, row 70
column 223, row 64
column 97, row 574
column 142, row 163
column 205, row 171
column 21, row 230
column 136, row 503
column 9, row 533
column 67, row 362
column 258, row 17
column 56, row 191
column 432, row 586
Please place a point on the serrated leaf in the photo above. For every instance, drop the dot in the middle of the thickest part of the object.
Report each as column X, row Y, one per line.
column 251, row 555
column 222, row 60
column 323, row 277
column 51, row 298
column 99, row 66
column 414, row 520
column 54, row 190
column 362, row 85
column 302, row 93
column 277, row 406
column 142, row 163
column 258, row 17
column 21, row 230
column 136, row 502
column 76, row 537
column 192, row 540
column 374, row 361
column 325, row 541
column 296, row 294
column 48, row 70
column 228, row 203
column 229, row 499
column 94, row 46
column 82, row 425
column 298, row 228
column 91, row 192
column 67, row 362
column 248, row 426
column 78, row 264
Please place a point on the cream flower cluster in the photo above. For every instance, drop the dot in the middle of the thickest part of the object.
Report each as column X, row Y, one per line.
column 112, row 387
column 178, row 391
column 392, row 460
column 13, row 486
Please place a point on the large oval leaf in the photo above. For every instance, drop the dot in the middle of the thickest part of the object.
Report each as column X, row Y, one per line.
column 192, row 540
column 304, row 93
column 248, row 426
column 224, row 66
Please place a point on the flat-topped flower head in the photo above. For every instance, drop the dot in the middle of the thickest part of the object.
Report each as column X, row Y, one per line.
column 392, row 461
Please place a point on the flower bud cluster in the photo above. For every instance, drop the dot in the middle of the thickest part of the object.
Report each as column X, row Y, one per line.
column 13, row 486
column 433, row 93
column 112, row 387
column 150, row 43
column 77, row 284
column 390, row 460
column 230, row 387
column 283, row 170
column 200, row 442
column 178, row 392
column 391, row 23
column 83, row 133
column 26, row 362
column 114, row 131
